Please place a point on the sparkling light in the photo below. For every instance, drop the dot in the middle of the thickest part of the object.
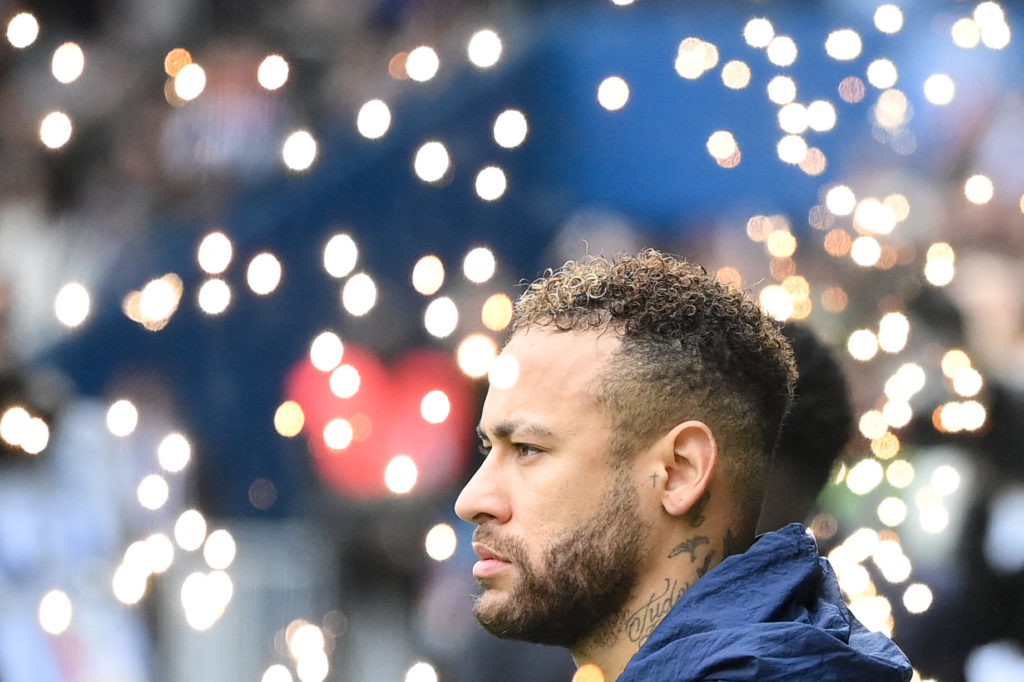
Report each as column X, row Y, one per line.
column 953, row 361
column 299, row 151
column 359, row 294
column 435, row 407
column 432, row 161
column 490, row 183
column 782, row 51
column 475, row 354
column 872, row 424
column 22, row 30
column 276, row 673
column 865, row 251
column 613, row 93
column 892, row 110
column 504, row 371
column 214, row 253
column 153, row 491
column 263, row 274
column 422, row 63
column 421, row 672
column 792, row 149
column 190, row 530
column 900, row 473
column 68, row 62
column 864, row 476
column 340, row 255
column 190, row 82
column 428, row 275
column 793, row 118
column 219, row 549
column 338, row 434
column 939, row 89
column 55, row 612
column 782, row 90
column 917, row 598
column 160, row 552
column 758, row 32
column 776, row 302
column 510, row 128
column 939, row 264
column 441, row 542
column 326, row 351
column 175, row 60
column 892, row 511
column 979, row 189
column 400, row 474
column 862, row 345
column 72, row 304
column 821, row 115
column 374, row 119
column 695, row 57
column 844, row 44
column 122, row 418
column 484, row 48
column 345, row 381
column 272, row 72
column 736, row 74
column 889, row 18
column 882, row 74
column 479, row 265
column 496, row 313
column 205, row 598
column 966, row 33
column 55, row 129
column 967, row 382
column 214, row 296
column 441, row 317
column 721, row 144
column 893, row 330
column 289, row 419
column 174, row 452
column 840, row 200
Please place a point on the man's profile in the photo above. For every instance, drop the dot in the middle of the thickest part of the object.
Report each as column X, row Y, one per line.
column 626, row 457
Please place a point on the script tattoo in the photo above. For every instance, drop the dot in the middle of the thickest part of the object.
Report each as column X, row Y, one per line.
column 690, row 545
column 642, row 622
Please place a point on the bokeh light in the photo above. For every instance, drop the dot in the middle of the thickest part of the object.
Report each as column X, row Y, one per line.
column 72, row 304
column 484, row 48
column 299, row 151
column 373, row 119
column 613, row 93
column 272, row 73
column 68, row 62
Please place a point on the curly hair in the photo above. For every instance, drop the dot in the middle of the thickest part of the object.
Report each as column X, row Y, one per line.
column 691, row 348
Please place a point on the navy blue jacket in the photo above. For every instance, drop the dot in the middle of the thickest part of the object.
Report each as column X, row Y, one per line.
column 772, row 613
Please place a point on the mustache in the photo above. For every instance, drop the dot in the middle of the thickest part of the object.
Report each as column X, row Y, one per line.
column 511, row 548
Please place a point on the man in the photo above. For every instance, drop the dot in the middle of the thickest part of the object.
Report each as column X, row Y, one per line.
column 627, row 442
column 818, row 426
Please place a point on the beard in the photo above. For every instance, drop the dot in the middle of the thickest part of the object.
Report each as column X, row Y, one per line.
column 580, row 589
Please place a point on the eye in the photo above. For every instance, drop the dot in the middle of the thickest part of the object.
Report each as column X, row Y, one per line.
column 526, row 450
column 484, row 448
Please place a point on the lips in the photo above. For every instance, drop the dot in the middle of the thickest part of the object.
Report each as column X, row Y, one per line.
column 491, row 562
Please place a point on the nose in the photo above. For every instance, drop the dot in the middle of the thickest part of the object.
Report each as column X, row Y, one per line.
column 483, row 499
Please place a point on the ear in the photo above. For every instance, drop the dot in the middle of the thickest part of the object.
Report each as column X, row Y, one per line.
column 691, row 460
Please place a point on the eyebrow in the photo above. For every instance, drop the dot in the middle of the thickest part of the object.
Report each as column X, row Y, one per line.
column 504, row 430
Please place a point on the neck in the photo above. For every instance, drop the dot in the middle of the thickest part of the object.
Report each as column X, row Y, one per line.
column 687, row 557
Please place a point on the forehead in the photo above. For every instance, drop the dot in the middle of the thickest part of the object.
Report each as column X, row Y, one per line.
column 555, row 373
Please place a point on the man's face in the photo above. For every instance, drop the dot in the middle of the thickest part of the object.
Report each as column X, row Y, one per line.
column 559, row 531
